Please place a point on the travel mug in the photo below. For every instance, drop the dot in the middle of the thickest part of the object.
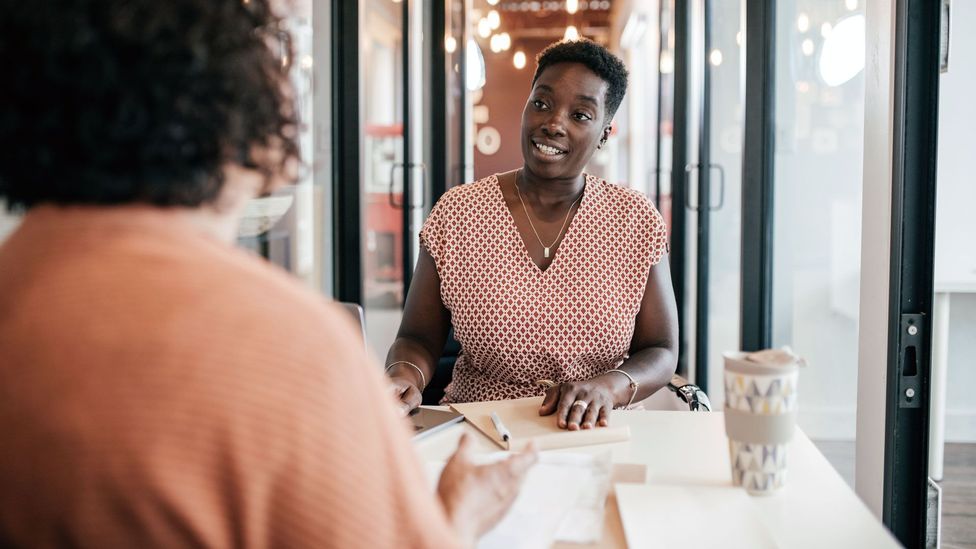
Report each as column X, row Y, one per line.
column 760, row 416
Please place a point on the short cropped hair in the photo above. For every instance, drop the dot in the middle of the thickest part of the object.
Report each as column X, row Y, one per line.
column 593, row 56
column 139, row 101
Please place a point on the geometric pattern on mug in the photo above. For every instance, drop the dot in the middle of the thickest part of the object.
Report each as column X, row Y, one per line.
column 758, row 467
column 517, row 323
column 762, row 395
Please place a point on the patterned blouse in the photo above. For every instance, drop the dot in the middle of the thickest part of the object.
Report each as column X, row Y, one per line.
column 517, row 323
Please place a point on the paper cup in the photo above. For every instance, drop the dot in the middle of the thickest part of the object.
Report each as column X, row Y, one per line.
column 760, row 417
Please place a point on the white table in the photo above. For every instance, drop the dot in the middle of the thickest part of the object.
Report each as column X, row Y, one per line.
column 816, row 509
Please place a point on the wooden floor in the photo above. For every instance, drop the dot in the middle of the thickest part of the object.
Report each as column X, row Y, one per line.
column 958, row 488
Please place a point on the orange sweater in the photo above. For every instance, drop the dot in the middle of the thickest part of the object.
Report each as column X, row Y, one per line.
column 161, row 389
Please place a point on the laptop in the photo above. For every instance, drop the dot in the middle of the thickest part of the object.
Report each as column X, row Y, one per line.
column 427, row 421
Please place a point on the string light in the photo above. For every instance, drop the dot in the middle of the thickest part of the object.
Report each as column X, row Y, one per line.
column 484, row 28
column 803, row 22
column 807, row 47
column 715, row 57
column 494, row 19
column 519, row 60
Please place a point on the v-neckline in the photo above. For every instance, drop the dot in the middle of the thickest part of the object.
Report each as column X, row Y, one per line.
column 513, row 225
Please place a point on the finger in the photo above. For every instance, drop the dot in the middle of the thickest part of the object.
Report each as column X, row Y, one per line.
column 566, row 400
column 464, row 444
column 549, row 403
column 604, row 418
column 520, row 463
column 412, row 398
column 576, row 412
column 591, row 415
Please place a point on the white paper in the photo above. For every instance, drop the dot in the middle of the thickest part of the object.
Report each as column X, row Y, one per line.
column 562, row 499
column 690, row 516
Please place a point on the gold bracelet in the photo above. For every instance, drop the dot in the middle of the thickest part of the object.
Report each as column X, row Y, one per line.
column 633, row 385
column 423, row 378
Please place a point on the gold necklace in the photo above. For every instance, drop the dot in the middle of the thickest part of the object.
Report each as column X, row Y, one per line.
column 545, row 249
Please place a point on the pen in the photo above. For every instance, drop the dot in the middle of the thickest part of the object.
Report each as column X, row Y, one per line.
column 500, row 427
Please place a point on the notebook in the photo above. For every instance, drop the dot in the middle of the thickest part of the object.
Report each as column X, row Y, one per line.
column 521, row 417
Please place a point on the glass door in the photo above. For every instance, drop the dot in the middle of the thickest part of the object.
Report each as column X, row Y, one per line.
column 708, row 63
column 382, row 104
column 819, row 148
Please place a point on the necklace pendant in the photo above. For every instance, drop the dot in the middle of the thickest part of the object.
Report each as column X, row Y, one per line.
column 546, row 252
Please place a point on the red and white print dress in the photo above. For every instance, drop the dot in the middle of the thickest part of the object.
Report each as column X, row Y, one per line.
column 517, row 323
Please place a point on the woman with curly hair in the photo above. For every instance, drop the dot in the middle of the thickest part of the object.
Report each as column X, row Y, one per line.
column 556, row 282
column 158, row 386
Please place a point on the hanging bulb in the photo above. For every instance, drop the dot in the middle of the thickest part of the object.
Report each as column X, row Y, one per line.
column 494, row 19
column 519, row 60
column 484, row 28
column 572, row 6
column 505, row 41
column 571, row 34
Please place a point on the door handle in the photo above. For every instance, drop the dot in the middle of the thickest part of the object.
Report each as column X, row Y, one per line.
column 423, row 183
column 721, row 187
column 389, row 194
column 652, row 179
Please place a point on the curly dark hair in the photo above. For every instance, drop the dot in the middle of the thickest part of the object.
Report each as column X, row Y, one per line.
column 593, row 56
column 139, row 101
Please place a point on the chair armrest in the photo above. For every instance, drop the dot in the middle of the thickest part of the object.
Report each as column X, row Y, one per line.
column 696, row 399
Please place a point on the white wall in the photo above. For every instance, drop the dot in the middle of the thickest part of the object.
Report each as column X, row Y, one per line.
column 955, row 261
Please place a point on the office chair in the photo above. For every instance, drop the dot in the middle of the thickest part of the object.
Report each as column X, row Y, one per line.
column 679, row 394
column 356, row 312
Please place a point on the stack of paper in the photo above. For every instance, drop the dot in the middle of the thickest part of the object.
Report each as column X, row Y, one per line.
column 681, row 516
column 562, row 499
column 521, row 417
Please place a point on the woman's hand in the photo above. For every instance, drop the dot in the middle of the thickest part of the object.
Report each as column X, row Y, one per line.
column 580, row 404
column 407, row 393
column 476, row 497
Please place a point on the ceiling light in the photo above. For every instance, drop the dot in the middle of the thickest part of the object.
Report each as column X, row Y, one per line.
column 842, row 57
column 851, row 4
column 803, row 22
column 519, row 60
column 494, row 19
column 492, row 2
column 807, row 47
column 667, row 62
column 825, row 30
column 450, row 44
column 493, row 44
column 505, row 41
column 571, row 34
column 484, row 28
column 572, row 6
column 715, row 58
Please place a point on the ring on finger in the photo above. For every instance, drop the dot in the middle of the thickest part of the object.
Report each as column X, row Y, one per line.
column 582, row 403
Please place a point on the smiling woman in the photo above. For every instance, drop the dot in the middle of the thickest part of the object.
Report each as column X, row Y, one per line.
column 555, row 282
